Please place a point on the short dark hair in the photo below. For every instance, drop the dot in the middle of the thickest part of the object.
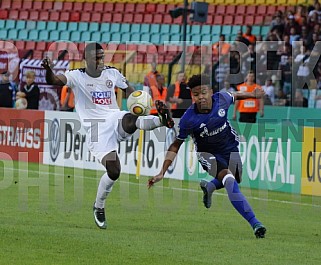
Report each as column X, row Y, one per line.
column 198, row 80
column 93, row 46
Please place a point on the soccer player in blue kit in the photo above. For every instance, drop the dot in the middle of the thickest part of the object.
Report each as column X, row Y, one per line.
column 216, row 144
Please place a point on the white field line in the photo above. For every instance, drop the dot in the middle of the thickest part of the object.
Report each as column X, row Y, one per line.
column 172, row 188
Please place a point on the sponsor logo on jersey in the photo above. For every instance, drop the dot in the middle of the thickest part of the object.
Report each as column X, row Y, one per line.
column 101, row 97
column 206, row 133
column 109, row 83
column 221, row 112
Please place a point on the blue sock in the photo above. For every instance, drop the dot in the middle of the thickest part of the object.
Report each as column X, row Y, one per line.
column 239, row 201
column 217, row 183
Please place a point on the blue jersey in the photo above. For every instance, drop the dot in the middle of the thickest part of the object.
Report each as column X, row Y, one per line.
column 211, row 132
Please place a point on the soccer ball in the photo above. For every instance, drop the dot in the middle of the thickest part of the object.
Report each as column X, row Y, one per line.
column 21, row 103
column 139, row 103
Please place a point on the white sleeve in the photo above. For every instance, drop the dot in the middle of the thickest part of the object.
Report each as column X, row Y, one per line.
column 121, row 81
column 70, row 78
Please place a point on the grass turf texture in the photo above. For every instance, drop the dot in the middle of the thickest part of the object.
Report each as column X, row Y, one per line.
column 165, row 225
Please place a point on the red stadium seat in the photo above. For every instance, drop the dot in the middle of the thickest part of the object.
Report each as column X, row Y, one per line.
column 211, row 9
column 209, row 20
column 128, row 18
column 160, row 8
column 230, row 10
column 250, row 10
column 34, row 15
column 99, row 7
column 249, row 20
column 157, row 18
column 167, row 19
column 151, row 8
column 220, row 10
column 107, row 17
column 261, row 10
column 119, row 7
column 4, row 14
column 88, row 6
column 41, row 45
column 14, row 14
column 117, row 18
column 24, row 15
column 61, row 6
column 108, row 6
column 148, row 18
column 85, row 17
column 138, row 18
column 30, row 45
column 140, row 8
column 130, row 8
column 20, row 44
column 47, row 5
column 78, row 6
column 44, row 15
column 218, row 20
column 228, row 20
column 96, row 17
column 258, row 20
column 74, row 16
column 27, row 4
column 64, row 15
column 240, row 10
column 16, row 5
column 169, row 7
column 54, row 16
column 239, row 20
column 5, row 4
column 37, row 5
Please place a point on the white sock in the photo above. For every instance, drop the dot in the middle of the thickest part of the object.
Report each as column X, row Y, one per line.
column 104, row 188
column 149, row 122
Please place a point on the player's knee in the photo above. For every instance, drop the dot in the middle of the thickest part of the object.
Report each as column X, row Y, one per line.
column 114, row 172
column 129, row 123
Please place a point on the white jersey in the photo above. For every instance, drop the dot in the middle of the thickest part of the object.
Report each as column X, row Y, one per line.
column 95, row 97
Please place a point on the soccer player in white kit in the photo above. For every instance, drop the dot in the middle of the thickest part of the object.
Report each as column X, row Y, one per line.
column 104, row 122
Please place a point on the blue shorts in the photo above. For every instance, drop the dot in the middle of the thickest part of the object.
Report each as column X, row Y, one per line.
column 215, row 163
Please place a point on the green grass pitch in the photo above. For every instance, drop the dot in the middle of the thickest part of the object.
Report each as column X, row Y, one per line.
column 46, row 218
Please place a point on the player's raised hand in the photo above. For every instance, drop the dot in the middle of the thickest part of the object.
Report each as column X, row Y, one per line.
column 46, row 63
column 154, row 180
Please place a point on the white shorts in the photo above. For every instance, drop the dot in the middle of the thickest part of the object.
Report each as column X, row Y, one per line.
column 105, row 137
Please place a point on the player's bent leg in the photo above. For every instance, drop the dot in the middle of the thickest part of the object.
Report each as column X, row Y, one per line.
column 164, row 114
column 130, row 123
column 241, row 204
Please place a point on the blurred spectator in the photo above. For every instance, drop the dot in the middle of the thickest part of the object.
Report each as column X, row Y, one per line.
column 249, row 59
column 7, row 91
column 158, row 92
column 268, row 88
column 179, row 96
column 150, row 78
column 228, row 88
column 278, row 22
column 286, row 73
column 240, row 38
column 303, row 71
column 67, row 99
column 221, row 71
column 299, row 100
column 281, row 99
column 221, row 47
column 30, row 91
column 299, row 14
column 248, row 35
column 249, row 108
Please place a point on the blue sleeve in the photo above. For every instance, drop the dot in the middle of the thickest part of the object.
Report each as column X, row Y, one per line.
column 225, row 99
column 184, row 129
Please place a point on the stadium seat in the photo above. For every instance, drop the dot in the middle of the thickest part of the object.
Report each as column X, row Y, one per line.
column 47, row 5
column 116, row 36
column 85, row 16
column 114, row 27
column 108, row 6
column 20, row 44
column 218, row 20
column 85, row 36
column 16, row 5
column 125, row 36
column 228, row 20
column 99, row 7
column 43, row 15
column 258, row 20
column 54, row 15
column 240, row 10
column 107, row 17
column 74, row 16
column 54, row 35
column 216, row 29
column 167, row 19
column 249, row 20
column 23, row 34
column 236, row 29
column 34, row 15
column 27, row 5
column 250, row 10
column 4, row 14
column 138, row 18
column 155, row 38
column 230, row 10
column 33, row 35
column 10, row 24
column 30, row 45
column 93, row 27
column 20, row 24
column 220, row 10
column 227, row 30
column 41, row 45
column 75, row 36
column 5, row 4
column 148, row 18
column 135, row 37
column 31, row 25
column 43, row 35
column 117, row 18
column 104, row 27
column 96, row 17
column 96, row 36
column 88, row 6
column 128, row 18
column 61, row 26
column 64, row 35
column 119, row 8
column 37, row 5
column 140, row 8
column 60, row 6
column 82, row 26
column 78, row 6
column 124, row 27
column 41, row 25
column 130, row 8
column 150, row 8
column 160, row 8
column 270, row 10
column 14, row 14
column 64, row 16
column 146, row 28
column 68, row 6
column 239, row 20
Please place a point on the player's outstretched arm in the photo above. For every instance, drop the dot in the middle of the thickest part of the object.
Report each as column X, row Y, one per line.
column 256, row 93
column 51, row 78
column 169, row 158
